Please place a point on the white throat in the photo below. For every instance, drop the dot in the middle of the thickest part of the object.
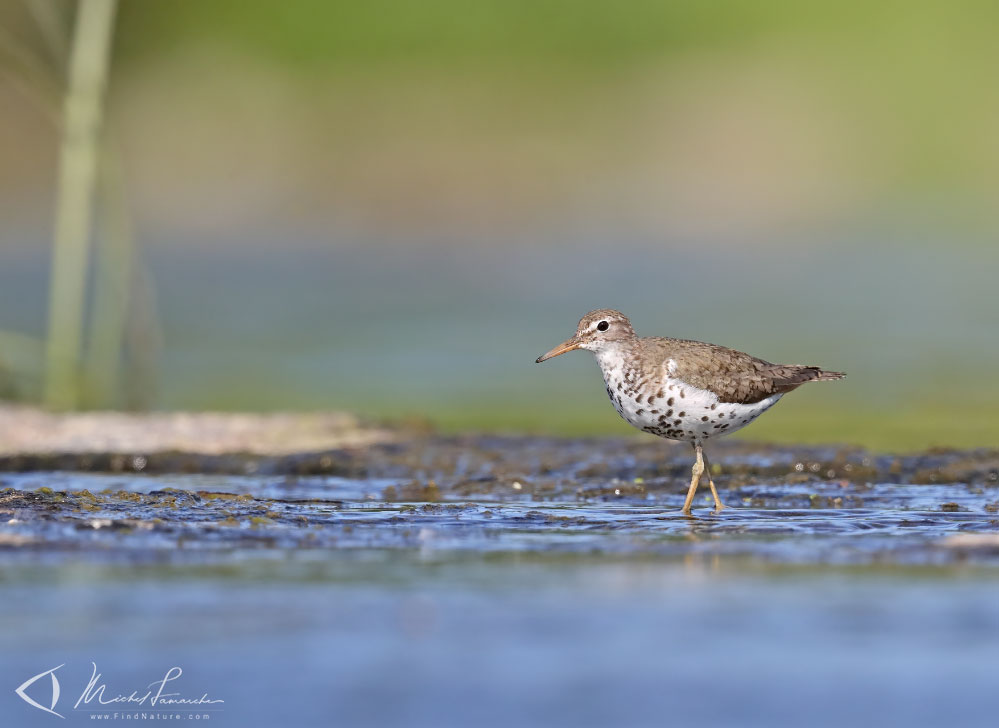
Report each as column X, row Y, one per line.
column 611, row 357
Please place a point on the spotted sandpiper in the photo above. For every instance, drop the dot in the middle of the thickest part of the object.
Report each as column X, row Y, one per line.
column 680, row 389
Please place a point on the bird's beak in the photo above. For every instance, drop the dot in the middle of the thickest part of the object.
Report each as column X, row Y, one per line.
column 567, row 345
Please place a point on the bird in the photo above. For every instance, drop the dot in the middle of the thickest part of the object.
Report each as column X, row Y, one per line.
column 680, row 389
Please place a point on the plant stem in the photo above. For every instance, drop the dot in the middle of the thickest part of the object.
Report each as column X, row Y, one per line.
column 113, row 282
column 88, row 70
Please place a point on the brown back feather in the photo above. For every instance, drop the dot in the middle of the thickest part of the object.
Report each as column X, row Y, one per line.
column 732, row 375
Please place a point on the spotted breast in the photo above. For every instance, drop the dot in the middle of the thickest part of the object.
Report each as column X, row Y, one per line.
column 657, row 401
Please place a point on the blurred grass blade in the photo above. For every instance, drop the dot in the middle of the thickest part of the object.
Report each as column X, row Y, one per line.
column 49, row 17
column 89, row 57
column 112, row 283
column 29, row 73
column 143, row 339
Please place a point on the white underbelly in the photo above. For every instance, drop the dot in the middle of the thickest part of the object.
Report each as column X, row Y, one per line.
column 679, row 411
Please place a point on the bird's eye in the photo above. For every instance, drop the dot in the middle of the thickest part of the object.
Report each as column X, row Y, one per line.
column 603, row 326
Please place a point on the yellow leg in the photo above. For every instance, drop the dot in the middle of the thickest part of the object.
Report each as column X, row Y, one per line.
column 695, row 477
column 714, row 493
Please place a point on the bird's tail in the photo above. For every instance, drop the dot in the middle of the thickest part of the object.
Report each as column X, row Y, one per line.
column 823, row 375
column 788, row 377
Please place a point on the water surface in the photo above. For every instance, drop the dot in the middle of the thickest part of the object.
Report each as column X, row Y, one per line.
column 508, row 581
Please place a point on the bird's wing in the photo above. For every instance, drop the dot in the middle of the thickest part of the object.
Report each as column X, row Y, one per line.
column 733, row 376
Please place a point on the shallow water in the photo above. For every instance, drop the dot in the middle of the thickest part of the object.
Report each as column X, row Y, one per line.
column 198, row 518
column 504, row 581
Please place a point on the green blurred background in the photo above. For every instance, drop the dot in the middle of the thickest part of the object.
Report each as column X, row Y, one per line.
column 393, row 207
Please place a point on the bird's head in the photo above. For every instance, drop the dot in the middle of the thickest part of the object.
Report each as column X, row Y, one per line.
column 597, row 330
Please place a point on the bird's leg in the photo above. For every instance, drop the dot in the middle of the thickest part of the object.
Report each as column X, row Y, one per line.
column 695, row 477
column 714, row 493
